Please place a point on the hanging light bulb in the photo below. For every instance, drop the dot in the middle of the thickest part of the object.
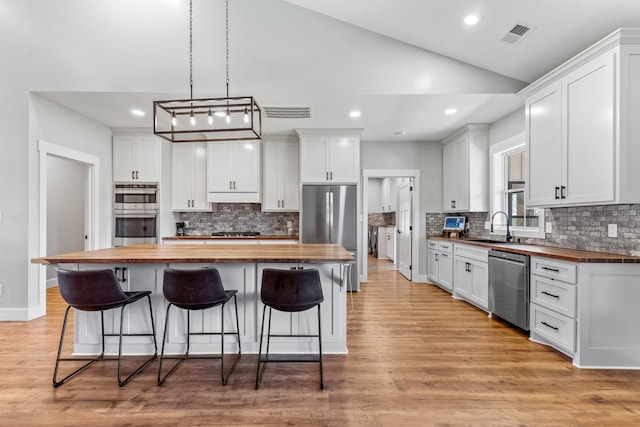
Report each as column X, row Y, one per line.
column 192, row 119
column 246, row 115
column 210, row 117
column 174, row 120
column 228, row 117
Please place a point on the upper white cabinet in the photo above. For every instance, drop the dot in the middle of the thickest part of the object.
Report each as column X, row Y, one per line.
column 465, row 166
column 389, row 194
column 280, row 178
column 581, row 137
column 189, row 177
column 233, row 172
column 329, row 156
column 136, row 158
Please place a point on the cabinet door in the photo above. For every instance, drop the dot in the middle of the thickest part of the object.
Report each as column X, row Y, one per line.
column 123, row 159
column 181, row 177
column 199, row 177
column 449, row 177
column 313, row 160
column 432, row 266
column 147, row 157
column 543, row 130
column 220, row 166
column 391, row 243
column 462, row 174
column 290, row 177
column 590, row 140
column 271, row 177
column 480, row 283
column 245, row 163
column 462, row 277
column 446, row 270
column 385, row 205
column 393, row 194
column 344, row 159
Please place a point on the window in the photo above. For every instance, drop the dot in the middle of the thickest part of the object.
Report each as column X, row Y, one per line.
column 508, row 190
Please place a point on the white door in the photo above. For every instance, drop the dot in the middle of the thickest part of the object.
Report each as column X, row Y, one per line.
column 404, row 229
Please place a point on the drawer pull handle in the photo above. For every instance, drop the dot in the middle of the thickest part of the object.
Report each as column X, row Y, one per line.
column 549, row 326
column 445, row 255
column 551, row 295
column 555, row 270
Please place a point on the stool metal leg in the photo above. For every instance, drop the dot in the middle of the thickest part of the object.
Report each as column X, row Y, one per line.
column 122, row 382
column 320, row 347
column 260, row 372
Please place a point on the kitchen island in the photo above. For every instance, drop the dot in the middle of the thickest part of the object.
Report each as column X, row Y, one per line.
column 140, row 267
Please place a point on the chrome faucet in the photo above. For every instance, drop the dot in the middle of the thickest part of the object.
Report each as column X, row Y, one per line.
column 508, row 236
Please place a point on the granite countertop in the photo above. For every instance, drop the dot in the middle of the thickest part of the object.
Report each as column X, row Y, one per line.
column 199, row 253
column 208, row 237
column 572, row 255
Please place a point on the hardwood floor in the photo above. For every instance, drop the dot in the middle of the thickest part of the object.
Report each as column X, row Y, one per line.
column 416, row 357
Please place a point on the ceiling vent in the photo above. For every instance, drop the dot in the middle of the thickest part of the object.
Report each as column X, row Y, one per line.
column 517, row 33
column 287, row 112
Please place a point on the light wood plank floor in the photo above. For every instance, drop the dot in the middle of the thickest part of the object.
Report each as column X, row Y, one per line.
column 417, row 357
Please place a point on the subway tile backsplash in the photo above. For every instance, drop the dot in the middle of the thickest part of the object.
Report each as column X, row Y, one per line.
column 583, row 228
column 240, row 217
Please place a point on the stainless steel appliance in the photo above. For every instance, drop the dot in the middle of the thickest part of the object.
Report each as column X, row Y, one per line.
column 373, row 240
column 509, row 287
column 329, row 215
column 135, row 214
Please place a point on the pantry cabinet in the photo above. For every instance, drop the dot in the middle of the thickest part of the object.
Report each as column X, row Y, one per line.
column 136, row 158
column 465, row 165
column 280, row 179
column 580, row 132
column 189, row 177
column 329, row 156
column 233, row 172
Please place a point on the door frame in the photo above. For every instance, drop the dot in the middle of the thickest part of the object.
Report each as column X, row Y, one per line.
column 92, row 210
column 415, row 214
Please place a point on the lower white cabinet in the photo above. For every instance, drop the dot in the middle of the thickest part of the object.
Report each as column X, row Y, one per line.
column 440, row 263
column 553, row 310
column 471, row 275
column 391, row 243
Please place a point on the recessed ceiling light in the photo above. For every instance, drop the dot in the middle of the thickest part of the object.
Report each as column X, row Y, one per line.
column 450, row 111
column 354, row 114
column 137, row 112
column 473, row 18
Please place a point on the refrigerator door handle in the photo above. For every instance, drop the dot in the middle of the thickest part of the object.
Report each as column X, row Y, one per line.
column 327, row 212
column 331, row 215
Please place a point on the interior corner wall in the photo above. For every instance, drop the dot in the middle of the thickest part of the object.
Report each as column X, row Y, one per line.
column 506, row 127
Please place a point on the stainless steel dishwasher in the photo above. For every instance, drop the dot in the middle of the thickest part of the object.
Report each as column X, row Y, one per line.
column 509, row 287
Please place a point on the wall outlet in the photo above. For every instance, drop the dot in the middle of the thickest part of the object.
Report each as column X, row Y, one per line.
column 289, row 224
column 613, row 230
column 487, row 225
column 548, row 228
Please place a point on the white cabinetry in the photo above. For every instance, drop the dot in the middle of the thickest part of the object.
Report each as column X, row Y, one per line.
column 280, row 180
column 189, row 177
column 389, row 195
column 465, row 169
column 553, row 303
column 136, row 158
column 440, row 263
column 233, row 171
column 471, row 274
column 391, row 243
column 329, row 156
column 580, row 129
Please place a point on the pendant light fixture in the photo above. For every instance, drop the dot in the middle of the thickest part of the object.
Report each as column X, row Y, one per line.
column 208, row 119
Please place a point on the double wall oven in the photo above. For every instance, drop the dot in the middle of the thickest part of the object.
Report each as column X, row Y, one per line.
column 135, row 214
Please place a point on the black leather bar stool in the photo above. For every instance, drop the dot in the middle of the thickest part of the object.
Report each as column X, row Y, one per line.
column 99, row 290
column 197, row 290
column 289, row 291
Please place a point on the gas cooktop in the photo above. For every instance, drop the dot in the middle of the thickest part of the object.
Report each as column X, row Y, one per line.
column 235, row 233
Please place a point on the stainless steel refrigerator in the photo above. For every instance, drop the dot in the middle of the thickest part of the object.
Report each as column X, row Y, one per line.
column 329, row 215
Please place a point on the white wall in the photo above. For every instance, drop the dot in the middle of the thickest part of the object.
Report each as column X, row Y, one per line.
column 506, row 127
column 425, row 156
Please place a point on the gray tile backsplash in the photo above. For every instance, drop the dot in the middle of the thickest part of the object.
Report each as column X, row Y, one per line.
column 240, row 217
column 583, row 228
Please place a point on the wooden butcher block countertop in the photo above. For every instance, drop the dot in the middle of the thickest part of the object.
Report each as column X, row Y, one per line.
column 571, row 255
column 231, row 238
column 195, row 253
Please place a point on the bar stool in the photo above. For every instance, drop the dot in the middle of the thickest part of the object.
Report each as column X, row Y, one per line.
column 99, row 290
column 289, row 291
column 197, row 290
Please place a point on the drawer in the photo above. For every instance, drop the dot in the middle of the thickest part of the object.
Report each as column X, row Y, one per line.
column 432, row 244
column 554, row 295
column 553, row 327
column 557, row 270
column 472, row 252
column 446, row 247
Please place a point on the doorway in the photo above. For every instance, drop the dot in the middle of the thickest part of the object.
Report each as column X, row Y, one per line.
column 408, row 229
column 74, row 165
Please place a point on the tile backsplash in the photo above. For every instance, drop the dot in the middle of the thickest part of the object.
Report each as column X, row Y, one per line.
column 583, row 228
column 240, row 217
